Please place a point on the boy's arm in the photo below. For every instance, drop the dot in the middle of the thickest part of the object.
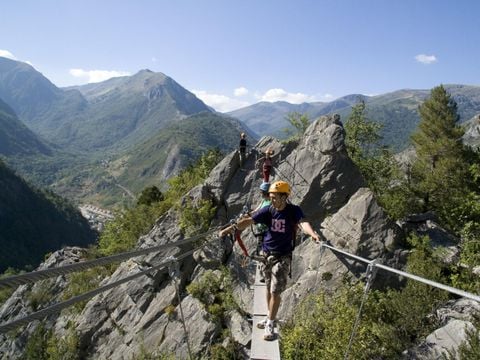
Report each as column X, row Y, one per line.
column 240, row 225
column 307, row 229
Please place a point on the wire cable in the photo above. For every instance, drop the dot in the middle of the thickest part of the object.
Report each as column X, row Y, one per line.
column 450, row 289
column 34, row 276
column 174, row 271
column 62, row 305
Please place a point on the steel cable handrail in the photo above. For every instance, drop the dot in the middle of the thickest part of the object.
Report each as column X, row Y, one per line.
column 34, row 276
column 62, row 305
column 405, row 274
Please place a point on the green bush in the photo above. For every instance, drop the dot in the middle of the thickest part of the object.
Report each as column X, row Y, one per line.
column 196, row 218
column 226, row 351
column 64, row 348
column 215, row 291
column 85, row 281
column 391, row 321
column 150, row 195
column 36, row 346
column 40, row 295
column 322, row 326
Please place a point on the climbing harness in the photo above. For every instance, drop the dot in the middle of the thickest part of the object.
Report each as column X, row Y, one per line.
column 238, row 239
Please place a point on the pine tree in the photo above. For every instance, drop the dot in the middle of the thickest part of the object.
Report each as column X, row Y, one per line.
column 375, row 161
column 298, row 124
column 362, row 135
column 150, row 195
column 440, row 171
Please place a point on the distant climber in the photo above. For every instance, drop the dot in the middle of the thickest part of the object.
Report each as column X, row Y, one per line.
column 242, row 148
column 282, row 220
column 267, row 164
column 260, row 229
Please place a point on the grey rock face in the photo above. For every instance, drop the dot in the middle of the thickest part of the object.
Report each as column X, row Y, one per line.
column 32, row 297
column 360, row 227
column 456, row 318
column 146, row 313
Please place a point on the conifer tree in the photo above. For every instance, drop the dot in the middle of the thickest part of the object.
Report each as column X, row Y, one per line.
column 375, row 161
column 299, row 124
column 362, row 135
column 440, row 170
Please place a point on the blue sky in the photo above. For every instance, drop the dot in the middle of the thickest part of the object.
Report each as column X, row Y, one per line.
column 236, row 53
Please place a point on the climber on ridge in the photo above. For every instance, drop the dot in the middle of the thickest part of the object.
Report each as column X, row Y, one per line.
column 267, row 164
column 282, row 219
column 242, row 148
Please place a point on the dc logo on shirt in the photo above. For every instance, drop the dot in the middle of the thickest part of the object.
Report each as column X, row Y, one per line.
column 278, row 225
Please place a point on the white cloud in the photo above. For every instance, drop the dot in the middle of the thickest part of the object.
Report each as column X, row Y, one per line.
column 223, row 103
column 241, row 91
column 278, row 94
column 7, row 54
column 93, row 76
column 327, row 97
column 220, row 103
column 426, row 59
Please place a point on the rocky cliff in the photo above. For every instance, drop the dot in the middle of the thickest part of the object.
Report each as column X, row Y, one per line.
column 145, row 315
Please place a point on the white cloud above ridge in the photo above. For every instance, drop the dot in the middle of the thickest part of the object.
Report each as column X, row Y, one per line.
column 327, row 97
column 241, row 91
column 221, row 103
column 7, row 54
column 426, row 59
column 278, row 94
column 94, row 76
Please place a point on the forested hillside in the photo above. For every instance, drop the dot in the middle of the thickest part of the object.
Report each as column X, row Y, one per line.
column 15, row 137
column 108, row 139
column 34, row 223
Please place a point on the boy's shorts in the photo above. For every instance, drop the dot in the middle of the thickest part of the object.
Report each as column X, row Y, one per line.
column 276, row 270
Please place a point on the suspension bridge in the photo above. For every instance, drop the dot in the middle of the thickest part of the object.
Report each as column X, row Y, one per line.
column 260, row 349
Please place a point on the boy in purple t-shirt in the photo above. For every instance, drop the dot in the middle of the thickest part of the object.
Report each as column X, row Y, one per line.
column 282, row 219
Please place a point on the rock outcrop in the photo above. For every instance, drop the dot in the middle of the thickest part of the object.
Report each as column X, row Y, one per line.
column 456, row 318
column 146, row 314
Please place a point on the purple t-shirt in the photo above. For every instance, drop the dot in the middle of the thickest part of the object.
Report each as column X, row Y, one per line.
column 281, row 227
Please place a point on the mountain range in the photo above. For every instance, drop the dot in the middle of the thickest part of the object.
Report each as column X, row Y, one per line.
column 396, row 111
column 138, row 129
column 105, row 142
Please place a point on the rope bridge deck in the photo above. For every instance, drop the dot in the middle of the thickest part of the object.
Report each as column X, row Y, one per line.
column 261, row 349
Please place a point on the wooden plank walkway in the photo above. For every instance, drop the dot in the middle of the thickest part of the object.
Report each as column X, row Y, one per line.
column 261, row 349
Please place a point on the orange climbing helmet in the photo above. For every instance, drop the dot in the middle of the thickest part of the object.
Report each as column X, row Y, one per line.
column 279, row 187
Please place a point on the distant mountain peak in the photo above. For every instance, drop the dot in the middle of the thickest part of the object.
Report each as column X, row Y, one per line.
column 147, row 73
column 6, row 63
